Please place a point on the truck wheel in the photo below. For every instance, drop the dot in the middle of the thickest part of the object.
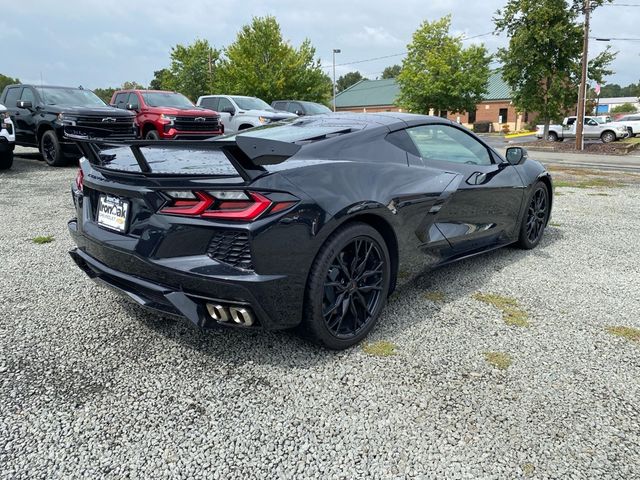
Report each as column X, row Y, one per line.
column 51, row 150
column 245, row 126
column 552, row 137
column 630, row 130
column 608, row 137
column 152, row 135
column 6, row 160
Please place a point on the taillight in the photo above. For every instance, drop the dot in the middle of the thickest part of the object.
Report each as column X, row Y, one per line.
column 79, row 180
column 223, row 204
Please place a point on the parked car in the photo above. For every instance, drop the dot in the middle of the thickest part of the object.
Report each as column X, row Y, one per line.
column 631, row 122
column 594, row 127
column 162, row 115
column 300, row 108
column 39, row 114
column 7, row 139
column 239, row 113
column 304, row 223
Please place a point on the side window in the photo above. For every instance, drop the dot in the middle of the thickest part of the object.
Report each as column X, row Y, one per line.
column 13, row 94
column 592, row 122
column 133, row 100
column 210, row 102
column 27, row 95
column 280, row 105
column 121, row 100
column 571, row 121
column 225, row 103
column 449, row 144
column 294, row 107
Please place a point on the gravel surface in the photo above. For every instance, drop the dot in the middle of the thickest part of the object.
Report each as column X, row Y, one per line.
column 92, row 387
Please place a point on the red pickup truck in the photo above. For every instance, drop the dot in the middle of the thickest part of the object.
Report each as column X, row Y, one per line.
column 164, row 115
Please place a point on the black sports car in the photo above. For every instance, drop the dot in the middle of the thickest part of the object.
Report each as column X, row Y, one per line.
column 300, row 224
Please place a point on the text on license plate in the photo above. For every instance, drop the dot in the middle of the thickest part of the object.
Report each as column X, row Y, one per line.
column 112, row 212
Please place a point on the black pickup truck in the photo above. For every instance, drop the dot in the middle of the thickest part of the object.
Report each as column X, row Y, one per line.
column 39, row 114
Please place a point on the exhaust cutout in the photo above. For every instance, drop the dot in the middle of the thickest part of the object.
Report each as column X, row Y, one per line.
column 218, row 312
column 241, row 316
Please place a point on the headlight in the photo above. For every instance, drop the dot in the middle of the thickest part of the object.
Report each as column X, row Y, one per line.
column 622, row 129
column 66, row 119
column 264, row 119
column 168, row 118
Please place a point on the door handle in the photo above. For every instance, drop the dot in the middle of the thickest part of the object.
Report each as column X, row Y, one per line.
column 477, row 178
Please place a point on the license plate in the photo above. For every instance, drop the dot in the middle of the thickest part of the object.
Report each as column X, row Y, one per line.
column 112, row 213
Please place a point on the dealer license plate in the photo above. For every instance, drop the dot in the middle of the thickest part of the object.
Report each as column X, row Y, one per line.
column 112, row 213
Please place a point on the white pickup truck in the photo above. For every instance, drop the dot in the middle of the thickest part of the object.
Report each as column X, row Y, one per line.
column 594, row 127
column 7, row 139
column 632, row 122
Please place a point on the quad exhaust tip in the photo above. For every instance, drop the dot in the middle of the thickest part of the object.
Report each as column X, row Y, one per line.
column 238, row 315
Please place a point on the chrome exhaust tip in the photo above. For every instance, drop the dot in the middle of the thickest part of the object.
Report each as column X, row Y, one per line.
column 241, row 316
column 218, row 312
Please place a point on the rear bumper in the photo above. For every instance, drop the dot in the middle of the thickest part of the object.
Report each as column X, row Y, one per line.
column 178, row 287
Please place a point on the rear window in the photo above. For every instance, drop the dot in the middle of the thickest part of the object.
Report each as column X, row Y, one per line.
column 170, row 161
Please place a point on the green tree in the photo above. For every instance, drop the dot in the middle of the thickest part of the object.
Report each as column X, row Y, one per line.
column 191, row 71
column 160, row 79
column 132, row 86
column 260, row 63
column 391, row 71
column 105, row 93
column 348, row 79
column 615, row 90
column 542, row 63
column 4, row 81
column 624, row 108
column 439, row 73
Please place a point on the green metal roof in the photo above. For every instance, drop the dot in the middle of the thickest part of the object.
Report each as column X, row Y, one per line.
column 370, row 93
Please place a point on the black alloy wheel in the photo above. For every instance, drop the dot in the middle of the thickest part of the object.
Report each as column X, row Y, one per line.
column 348, row 287
column 536, row 217
column 51, row 150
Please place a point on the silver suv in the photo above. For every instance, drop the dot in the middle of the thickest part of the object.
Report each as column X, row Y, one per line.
column 7, row 139
column 239, row 113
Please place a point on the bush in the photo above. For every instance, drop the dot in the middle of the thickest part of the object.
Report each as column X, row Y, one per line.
column 505, row 129
column 482, row 127
column 624, row 108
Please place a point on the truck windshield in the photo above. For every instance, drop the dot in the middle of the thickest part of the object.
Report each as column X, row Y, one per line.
column 316, row 108
column 166, row 99
column 252, row 103
column 69, row 97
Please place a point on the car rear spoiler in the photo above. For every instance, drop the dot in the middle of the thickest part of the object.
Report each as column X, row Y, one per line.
column 247, row 154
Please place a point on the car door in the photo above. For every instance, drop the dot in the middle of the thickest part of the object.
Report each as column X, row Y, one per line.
column 27, row 117
column 10, row 102
column 483, row 209
column 591, row 129
column 225, row 116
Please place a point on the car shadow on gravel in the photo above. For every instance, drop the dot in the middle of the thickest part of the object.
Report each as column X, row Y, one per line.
column 285, row 348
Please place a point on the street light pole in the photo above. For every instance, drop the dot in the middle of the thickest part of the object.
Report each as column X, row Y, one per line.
column 582, row 93
column 335, row 50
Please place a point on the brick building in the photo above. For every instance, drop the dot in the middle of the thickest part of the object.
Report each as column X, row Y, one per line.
column 380, row 96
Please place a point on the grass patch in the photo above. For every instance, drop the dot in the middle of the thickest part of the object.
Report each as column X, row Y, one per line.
column 512, row 314
column 528, row 468
column 43, row 239
column 632, row 140
column 588, row 183
column 555, row 224
column 380, row 349
column 628, row 333
column 435, row 296
column 599, row 194
column 499, row 360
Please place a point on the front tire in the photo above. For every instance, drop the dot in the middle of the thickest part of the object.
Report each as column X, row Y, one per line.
column 152, row 135
column 347, row 287
column 608, row 137
column 51, row 149
column 552, row 137
column 6, row 160
column 535, row 218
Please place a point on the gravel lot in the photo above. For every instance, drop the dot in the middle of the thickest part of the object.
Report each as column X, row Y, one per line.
column 93, row 387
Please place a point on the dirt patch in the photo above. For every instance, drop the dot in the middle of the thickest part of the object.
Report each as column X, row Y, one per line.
column 569, row 146
column 591, row 178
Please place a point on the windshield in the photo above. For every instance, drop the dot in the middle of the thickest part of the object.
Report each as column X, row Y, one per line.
column 69, row 97
column 316, row 108
column 599, row 120
column 252, row 103
column 166, row 99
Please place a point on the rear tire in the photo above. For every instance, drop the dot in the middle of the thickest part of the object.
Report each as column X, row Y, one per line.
column 552, row 137
column 535, row 217
column 6, row 160
column 152, row 135
column 608, row 137
column 347, row 287
column 51, row 149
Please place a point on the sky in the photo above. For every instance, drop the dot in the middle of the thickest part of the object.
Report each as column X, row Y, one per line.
column 105, row 43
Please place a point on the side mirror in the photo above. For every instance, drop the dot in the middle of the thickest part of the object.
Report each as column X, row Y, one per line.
column 131, row 107
column 230, row 110
column 24, row 104
column 516, row 155
column 299, row 113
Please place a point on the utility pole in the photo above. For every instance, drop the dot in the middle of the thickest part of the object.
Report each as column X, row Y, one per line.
column 582, row 93
column 335, row 50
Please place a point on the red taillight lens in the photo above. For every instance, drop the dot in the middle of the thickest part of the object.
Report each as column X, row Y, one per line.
column 80, row 180
column 225, row 205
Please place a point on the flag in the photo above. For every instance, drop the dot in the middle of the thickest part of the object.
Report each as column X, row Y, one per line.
column 597, row 89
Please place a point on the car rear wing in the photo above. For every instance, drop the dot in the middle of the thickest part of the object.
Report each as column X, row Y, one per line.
column 247, row 154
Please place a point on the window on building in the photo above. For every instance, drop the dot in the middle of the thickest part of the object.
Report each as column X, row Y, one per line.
column 503, row 115
column 472, row 116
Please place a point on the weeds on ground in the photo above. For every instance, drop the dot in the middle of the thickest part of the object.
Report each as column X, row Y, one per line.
column 379, row 349
column 435, row 296
column 512, row 314
column 40, row 240
column 528, row 468
column 555, row 224
column 499, row 360
column 629, row 333
column 589, row 183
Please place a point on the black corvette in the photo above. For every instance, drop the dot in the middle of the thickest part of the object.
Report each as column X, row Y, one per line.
column 302, row 224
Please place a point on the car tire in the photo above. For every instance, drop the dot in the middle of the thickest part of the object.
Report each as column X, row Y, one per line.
column 51, row 150
column 630, row 130
column 347, row 287
column 152, row 135
column 608, row 137
column 552, row 137
column 6, row 160
column 535, row 217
